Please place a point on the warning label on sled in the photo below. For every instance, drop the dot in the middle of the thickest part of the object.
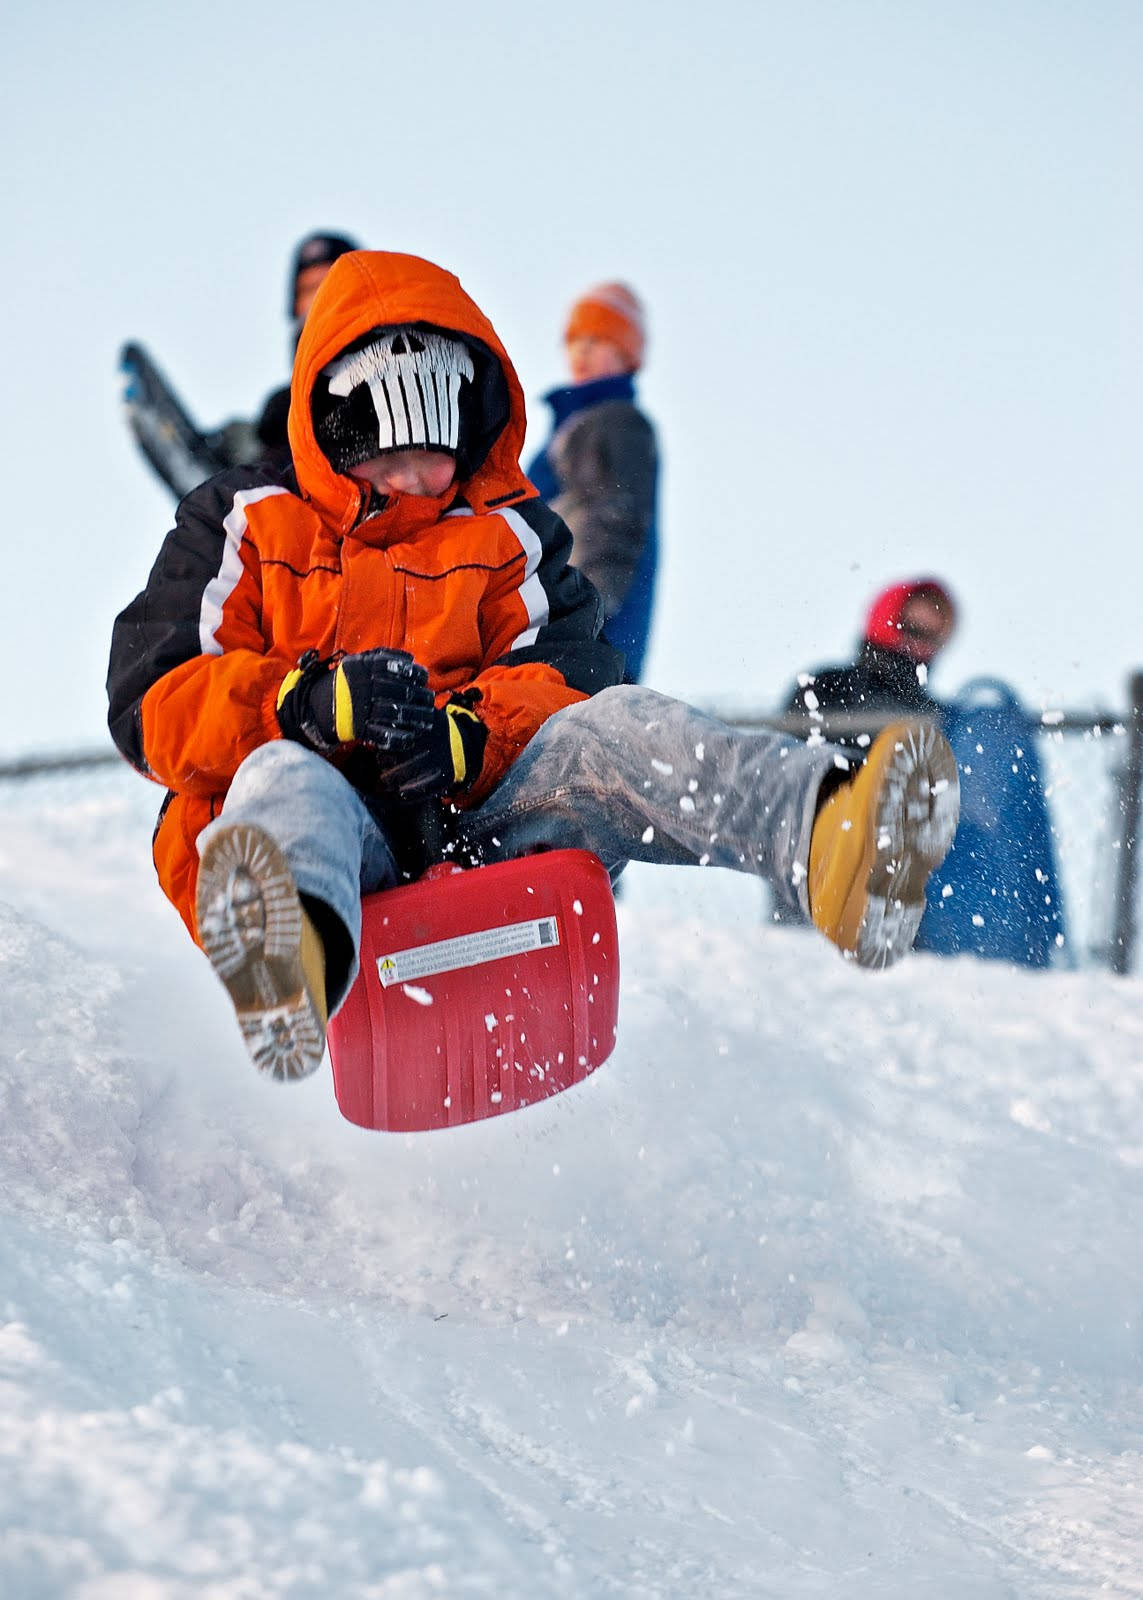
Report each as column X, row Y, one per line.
column 469, row 950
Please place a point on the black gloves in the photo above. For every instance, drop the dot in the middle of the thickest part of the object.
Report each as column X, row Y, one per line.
column 381, row 699
column 446, row 760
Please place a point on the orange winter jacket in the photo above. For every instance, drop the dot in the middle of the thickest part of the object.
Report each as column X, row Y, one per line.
column 263, row 566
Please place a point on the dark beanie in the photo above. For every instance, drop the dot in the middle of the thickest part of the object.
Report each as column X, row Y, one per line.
column 316, row 249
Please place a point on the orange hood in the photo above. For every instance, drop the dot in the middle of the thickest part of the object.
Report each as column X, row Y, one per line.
column 369, row 289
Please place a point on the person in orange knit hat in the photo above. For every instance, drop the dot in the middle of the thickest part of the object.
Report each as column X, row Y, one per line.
column 389, row 626
column 599, row 467
column 610, row 315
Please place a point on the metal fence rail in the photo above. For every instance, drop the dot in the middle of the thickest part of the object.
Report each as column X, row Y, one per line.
column 1117, row 952
column 1130, row 797
column 39, row 766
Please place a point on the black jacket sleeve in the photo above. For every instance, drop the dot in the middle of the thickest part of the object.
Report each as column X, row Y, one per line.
column 160, row 629
column 607, row 464
column 567, row 635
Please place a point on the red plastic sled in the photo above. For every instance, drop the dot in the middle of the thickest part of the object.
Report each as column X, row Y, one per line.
column 479, row 992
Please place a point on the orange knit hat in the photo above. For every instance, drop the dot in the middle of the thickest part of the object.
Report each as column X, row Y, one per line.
column 610, row 311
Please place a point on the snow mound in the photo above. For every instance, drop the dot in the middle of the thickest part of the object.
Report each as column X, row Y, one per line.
column 69, row 1100
column 828, row 1283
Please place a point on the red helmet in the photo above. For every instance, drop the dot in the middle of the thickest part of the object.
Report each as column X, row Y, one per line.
column 919, row 638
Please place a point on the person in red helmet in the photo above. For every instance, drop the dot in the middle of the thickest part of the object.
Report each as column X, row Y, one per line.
column 998, row 896
column 906, row 627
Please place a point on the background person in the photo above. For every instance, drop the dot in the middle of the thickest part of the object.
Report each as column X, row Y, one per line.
column 241, row 442
column 998, row 893
column 180, row 452
column 599, row 468
column 906, row 627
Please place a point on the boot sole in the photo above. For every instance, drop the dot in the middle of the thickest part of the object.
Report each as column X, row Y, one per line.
column 250, row 926
column 912, row 822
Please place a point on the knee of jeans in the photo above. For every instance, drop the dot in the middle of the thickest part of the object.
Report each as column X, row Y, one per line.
column 271, row 761
column 610, row 713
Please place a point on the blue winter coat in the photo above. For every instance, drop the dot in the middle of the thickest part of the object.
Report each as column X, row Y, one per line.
column 998, row 892
column 599, row 470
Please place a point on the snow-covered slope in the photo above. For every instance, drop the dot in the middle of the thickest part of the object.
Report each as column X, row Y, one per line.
column 828, row 1284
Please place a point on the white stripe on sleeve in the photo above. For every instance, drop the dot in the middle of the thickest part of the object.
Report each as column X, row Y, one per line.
column 532, row 591
column 225, row 580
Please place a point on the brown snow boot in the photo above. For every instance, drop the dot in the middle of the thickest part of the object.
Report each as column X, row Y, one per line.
column 261, row 942
column 876, row 839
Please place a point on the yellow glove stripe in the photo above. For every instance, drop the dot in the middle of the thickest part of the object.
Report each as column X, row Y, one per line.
column 456, row 747
column 456, row 743
column 342, row 706
column 289, row 682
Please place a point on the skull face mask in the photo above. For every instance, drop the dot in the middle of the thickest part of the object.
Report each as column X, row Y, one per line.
column 401, row 389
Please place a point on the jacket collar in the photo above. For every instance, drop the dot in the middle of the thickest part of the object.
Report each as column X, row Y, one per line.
column 573, row 397
column 895, row 672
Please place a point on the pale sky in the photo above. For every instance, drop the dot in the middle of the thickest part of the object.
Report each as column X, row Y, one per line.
column 892, row 255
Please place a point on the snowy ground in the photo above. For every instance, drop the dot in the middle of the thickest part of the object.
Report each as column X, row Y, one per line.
column 828, row 1284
